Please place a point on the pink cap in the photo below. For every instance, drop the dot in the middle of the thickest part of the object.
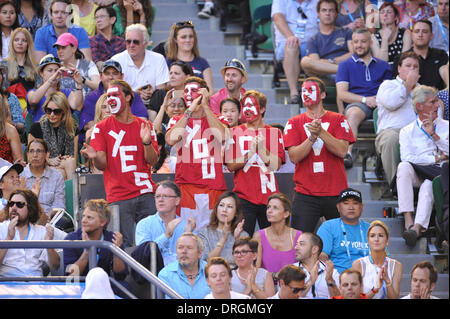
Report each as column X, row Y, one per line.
column 65, row 39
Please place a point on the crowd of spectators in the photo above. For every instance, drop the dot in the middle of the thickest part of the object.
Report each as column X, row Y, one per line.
column 82, row 87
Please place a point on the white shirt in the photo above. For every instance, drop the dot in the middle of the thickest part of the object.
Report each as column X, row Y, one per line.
column 320, row 286
column 23, row 262
column 289, row 9
column 416, row 147
column 5, row 45
column 153, row 70
column 233, row 295
column 395, row 109
column 408, row 296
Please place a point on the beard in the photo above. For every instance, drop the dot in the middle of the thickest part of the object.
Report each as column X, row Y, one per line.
column 363, row 54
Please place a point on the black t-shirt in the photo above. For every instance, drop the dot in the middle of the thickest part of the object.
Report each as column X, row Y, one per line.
column 156, row 101
column 429, row 68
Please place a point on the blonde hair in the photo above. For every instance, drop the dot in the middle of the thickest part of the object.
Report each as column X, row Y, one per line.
column 380, row 224
column 172, row 50
column 30, row 63
column 101, row 207
column 98, row 108
column 4, row 112
column 67, row 120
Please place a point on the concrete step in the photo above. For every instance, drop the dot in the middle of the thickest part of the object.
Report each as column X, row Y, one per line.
column 374, row 208
column 395, row 225
column 397, row 246
column 408, row 261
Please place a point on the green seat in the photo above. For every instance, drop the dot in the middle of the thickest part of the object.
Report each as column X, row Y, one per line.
column 375, row 119
column 260, row 11
column 69, row 196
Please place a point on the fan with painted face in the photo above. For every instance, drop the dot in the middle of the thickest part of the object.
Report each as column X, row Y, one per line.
column 251, row 110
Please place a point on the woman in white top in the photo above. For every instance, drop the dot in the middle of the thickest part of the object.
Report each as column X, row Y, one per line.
column 218, row 276
column 381, row 274
column 247, row 279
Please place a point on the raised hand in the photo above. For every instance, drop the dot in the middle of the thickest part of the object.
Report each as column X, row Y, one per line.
column 88, row 151
column 117, row 239
column 50, row 233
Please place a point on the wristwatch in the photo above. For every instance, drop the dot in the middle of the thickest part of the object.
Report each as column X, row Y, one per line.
column 332, row 61
column 364, row 100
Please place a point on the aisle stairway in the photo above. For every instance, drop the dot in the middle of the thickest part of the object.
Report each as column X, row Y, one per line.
column 217, row 47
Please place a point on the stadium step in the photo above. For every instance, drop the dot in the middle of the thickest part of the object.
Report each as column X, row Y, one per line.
column 217, row 47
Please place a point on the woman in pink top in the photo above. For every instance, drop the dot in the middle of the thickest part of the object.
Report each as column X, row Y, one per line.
column 276, row 247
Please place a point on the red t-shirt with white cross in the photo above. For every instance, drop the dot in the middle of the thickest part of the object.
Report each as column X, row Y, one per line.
column 199, row 155
column 127, row 174
column 321, row 173
column 258, row 183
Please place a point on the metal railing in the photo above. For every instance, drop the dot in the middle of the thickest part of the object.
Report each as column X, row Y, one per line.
column 92, row 246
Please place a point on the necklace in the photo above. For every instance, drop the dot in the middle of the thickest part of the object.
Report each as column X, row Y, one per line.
column 239, row 276
column 193, row 276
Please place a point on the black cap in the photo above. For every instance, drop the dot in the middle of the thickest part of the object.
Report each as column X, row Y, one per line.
column 350, row 193
column 113, row 64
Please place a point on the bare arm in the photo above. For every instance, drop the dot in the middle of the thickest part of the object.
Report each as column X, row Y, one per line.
column 14, row 141
column 257, row 237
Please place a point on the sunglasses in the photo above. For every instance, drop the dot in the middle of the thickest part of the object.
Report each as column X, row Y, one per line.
column 183, row 24
column 300, row 10
column 49, row 111
column 18, row 204
column 135, row 42
column 296, row 290
column 234, row 64
column 49, row 60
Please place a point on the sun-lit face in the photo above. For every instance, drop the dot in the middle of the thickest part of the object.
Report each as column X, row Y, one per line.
column 231, row 113
column 310, row 93
column 91, row 221
column 7, row 15
column 115, row 99
column 377, row 238
column 350, row 286
column 226, row 210
column 251, row 110
column 20, row 43
column 218, row 279
column 15, row 211
column 191, row 92
column 176, row 107
column 185, row 39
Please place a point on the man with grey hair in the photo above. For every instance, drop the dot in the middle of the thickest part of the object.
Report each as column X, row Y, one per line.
column 187, row 275
column 423, row 148
column 143, row 69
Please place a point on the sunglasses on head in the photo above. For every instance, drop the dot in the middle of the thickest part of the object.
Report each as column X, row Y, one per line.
column 182, row 24
column 235, row 64
column 18, row 204
column 135, row 42
column 300, row 10
column 54, row 111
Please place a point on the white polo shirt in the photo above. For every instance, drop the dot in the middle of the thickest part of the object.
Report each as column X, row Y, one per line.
column 153, row 70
